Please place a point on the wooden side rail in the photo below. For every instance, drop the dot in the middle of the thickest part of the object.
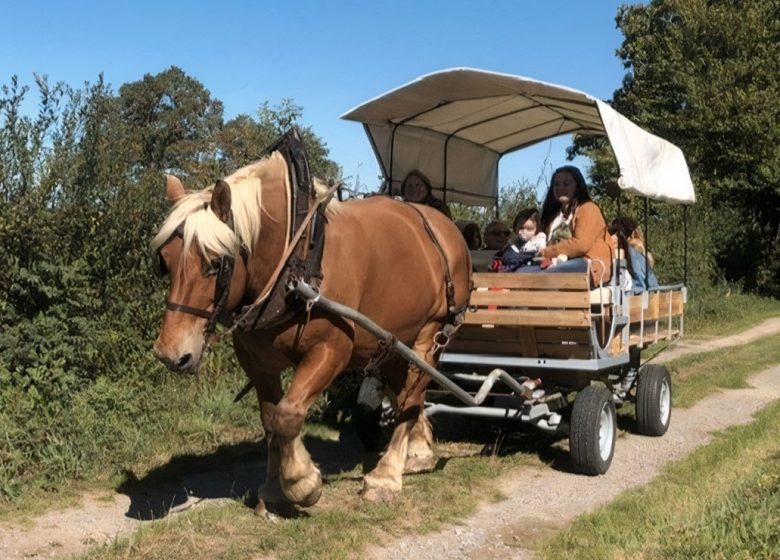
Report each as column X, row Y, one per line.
column 661, row 319
column 547, row 300
column 531, row 315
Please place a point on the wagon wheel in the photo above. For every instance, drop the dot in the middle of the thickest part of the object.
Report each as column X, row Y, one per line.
column 373, row 416
column 374, row 426
column 653, row 400
column 593, row 430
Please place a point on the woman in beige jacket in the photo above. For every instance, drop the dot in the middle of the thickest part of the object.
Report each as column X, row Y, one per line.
column 576, row 228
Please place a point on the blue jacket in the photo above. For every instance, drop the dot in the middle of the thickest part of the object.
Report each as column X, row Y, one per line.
column 638, row 263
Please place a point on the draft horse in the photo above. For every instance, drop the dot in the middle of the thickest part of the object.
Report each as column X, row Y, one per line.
column 378, row 258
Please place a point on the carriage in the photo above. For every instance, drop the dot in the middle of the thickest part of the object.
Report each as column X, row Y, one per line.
column 249, row 252
column 543, row 349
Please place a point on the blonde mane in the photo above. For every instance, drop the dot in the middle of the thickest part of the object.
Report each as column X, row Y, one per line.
column 211, row 235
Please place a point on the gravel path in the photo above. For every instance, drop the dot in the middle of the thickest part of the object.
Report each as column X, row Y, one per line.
column 539, row 501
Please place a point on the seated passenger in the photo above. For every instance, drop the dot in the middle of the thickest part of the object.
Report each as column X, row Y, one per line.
column 576, row 229
column 631, row 241
column 497, row 233
column 470, row 232
column 417, row 188
column 524, row 245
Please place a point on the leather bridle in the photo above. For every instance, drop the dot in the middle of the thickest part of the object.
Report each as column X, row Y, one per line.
column 222, row 268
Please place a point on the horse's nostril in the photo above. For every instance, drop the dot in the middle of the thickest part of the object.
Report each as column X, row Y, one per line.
column 185, row 362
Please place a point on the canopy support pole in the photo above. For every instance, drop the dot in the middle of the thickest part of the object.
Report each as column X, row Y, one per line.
column 647, row 241
column 685, row 244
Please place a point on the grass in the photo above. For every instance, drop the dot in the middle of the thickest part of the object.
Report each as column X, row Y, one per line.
column 722, row 312
column 697, row 375
column 113, row 430
column 722, row 501
column 341, row 525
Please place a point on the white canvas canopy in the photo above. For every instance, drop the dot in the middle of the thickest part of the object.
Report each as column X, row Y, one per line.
column 454, row 125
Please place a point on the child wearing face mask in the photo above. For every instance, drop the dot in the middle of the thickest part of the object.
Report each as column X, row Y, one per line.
column 526, row 243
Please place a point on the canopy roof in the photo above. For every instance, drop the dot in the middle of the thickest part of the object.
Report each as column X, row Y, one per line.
column 454, row 125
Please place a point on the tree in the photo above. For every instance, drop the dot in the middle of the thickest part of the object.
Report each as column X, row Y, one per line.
column 705, row 74
column 243, row 139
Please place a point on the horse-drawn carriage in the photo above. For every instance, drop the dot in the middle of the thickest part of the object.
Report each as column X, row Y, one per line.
column 376, row 282
column 551, row 334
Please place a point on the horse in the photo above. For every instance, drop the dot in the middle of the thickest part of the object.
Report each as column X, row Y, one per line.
column 385, row 258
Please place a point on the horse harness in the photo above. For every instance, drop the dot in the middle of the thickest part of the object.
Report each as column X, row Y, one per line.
column 301, row 260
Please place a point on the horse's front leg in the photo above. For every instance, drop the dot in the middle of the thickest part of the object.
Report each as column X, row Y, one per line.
column 301, row 481
column 268, row 385
column 385, row 481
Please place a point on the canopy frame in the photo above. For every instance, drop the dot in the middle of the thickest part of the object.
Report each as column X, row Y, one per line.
column 474, row 118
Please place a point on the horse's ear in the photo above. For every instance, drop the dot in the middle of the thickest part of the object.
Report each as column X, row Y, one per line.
column 174, row 188
column 220, row 200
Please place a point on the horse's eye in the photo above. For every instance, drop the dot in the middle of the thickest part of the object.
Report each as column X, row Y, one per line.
column 158, row 266
column 211, row 268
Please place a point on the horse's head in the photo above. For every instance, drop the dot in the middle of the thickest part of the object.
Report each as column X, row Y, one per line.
column 206, row 261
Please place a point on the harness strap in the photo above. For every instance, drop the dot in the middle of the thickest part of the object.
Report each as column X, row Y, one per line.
column 241, row 320
column 452, row 311
column 187, row 309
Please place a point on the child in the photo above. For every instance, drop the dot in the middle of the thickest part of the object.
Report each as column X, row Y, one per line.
column 524, row 246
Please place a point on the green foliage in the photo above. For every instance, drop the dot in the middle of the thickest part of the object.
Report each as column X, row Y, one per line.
column 80, row 196
column 706, row 76
column 512, row 199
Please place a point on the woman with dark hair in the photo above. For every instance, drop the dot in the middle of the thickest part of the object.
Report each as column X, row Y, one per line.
column 416, row 188
column 575, row 227
column 638, row 261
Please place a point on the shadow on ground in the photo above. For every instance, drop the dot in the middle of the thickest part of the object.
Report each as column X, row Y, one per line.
column 231, row 472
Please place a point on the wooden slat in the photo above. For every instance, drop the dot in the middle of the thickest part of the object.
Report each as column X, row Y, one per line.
column 516, row 349
column 651, row 312
column 530, row 317
column 634, row 308
column 540, row 281
column 663, row 334
column 513, row 347
column 563, row 351
column 581, row 336
column 678, row 304
column 664, row 299
column 526, row 298
column 494, row 332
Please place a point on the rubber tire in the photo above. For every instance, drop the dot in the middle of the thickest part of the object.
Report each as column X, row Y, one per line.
column 372, row 432
column 586, row 427
column 649, row 392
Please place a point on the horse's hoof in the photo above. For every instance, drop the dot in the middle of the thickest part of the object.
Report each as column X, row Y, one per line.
column 305, row 491
column 378, row 494
column 275, row 511
column 419, row 464
column 261, row 510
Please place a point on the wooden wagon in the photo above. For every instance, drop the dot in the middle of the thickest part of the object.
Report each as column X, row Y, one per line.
column 540, row 348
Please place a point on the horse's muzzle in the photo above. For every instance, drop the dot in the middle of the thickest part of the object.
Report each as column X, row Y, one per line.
column 182, row 364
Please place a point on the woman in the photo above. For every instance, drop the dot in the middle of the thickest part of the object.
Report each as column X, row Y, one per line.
column 631, row 241
column 417, row 188
column 575, row 228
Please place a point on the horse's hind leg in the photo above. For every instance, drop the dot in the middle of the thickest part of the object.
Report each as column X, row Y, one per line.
column 419, row 455
column 385, row 481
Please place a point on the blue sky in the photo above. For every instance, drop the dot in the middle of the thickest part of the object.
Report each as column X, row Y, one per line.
column 327, row 56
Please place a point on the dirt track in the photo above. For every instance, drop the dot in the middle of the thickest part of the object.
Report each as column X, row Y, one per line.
column 548, row 499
